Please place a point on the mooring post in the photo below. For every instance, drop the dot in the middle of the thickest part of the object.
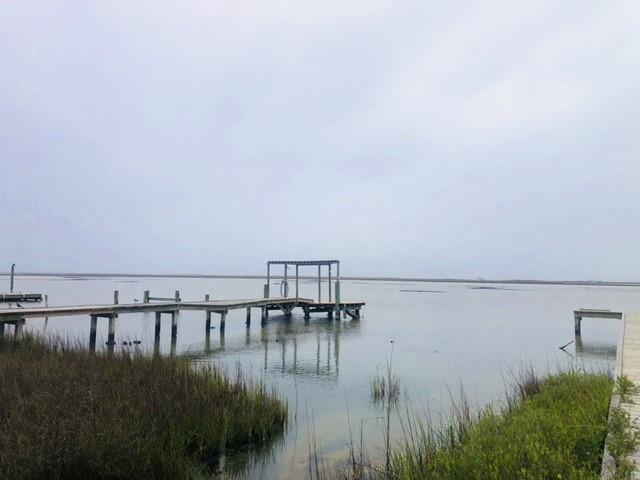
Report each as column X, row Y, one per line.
column 145, row 298
column 263, row 319
column 577, row 320
column 111, row 337
column 177, row 296
column 13, row 269
column 158, row 323
column 207, row 323
column 248, row 321
column 223, row 318
column 338, row 299
column 20, row 328
column 92, row 333
column 174, row 324
column 1, row 329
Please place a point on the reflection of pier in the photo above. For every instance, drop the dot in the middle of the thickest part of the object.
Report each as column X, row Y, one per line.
column 288, row 346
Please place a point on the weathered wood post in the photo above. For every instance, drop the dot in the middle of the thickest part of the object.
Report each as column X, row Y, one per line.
column 93, row 332
column 145, row 297
column 177, row 296
column 174, row 324
column 264, row 316
column 158, row 323
column 116, row 295
column 1, row 329
column 248, row 320
column 307, row 314
column 207, row 319
column 20, row 328
column 223, row 318
column 13, row 269
column 337, row 290
column 111, row 337
column 577, row 320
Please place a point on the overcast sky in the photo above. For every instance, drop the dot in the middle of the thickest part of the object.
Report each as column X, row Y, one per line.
column 411, row 138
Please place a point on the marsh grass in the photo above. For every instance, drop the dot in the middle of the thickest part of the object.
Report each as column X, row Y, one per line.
column 549, row 428
column 67, row 413
column 385, row 388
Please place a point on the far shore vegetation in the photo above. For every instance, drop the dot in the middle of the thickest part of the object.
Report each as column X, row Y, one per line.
column 550, row 428
column 67, row 413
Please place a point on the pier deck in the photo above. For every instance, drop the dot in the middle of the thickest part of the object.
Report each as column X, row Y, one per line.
column 18, row 316
column 628, row 364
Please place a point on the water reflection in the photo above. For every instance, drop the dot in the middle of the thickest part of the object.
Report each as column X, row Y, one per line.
column 591, row 350
column 288, row 346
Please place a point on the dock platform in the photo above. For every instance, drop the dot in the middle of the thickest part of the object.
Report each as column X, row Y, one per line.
column 18, row 316
column 20, row 297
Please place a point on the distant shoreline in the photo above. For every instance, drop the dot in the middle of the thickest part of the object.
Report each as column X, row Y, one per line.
column 307, row 277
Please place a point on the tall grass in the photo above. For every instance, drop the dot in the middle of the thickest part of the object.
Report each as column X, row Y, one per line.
column 550, row 428
column 66, row 413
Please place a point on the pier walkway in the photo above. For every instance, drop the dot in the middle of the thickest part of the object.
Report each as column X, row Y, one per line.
column 627, row 364
column 18, row 316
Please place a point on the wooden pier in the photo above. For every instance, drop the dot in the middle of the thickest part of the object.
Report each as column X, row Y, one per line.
column 18, row 316
column 578, row 315
column 20, row 297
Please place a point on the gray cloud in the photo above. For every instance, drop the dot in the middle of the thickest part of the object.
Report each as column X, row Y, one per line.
column 494, row 139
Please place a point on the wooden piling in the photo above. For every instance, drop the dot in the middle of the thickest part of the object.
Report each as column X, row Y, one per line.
column 93, row 332
column 248, row 320
column 177, row 296
column 174, row 325
column 223, row 318
column 1, row 329
column 145, row 297
column 111, row 337
column 207, row 324
column 158, row 323
column 577, row 320
column 263, row 319
column 19, row 332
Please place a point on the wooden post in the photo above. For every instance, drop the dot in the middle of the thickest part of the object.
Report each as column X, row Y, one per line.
column 330, row 315
column 177, row 296
column 206, row 297
column 223, row 318
column 329, row 283
column 357, row 313
column 13, row 268
column 248, row 321
column 319, row 284
column 116, row 295
column 20, row 328
column 307, row 315
column 1, row 329
column 93, row 332
column 207, row 322
column 174, row 324
column 111, row 337
column 158, row 323
column 145, row 298
column 577, row 320
column 263, row 319
column 297, row 270
column 338, row 299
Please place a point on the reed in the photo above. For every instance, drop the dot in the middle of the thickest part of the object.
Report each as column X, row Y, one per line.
column 67, row 413
column 554, row 427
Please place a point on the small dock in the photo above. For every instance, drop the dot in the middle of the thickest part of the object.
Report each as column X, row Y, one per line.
column 20, row 297
column 17, row 316
column 628, row 364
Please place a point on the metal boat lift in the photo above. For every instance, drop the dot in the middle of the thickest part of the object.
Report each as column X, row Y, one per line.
column 284, row 288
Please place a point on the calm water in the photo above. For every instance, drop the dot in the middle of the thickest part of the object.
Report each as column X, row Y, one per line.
column 442, row 334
